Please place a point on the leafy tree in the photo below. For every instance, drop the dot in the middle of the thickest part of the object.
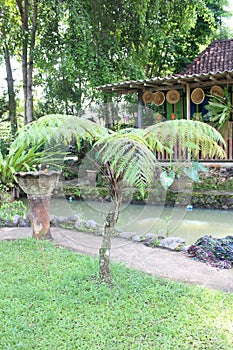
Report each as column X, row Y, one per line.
column 208, row 26
column 67, row 48
column 61, row 58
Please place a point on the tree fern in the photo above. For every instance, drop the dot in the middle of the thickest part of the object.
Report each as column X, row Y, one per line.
column 130, row 154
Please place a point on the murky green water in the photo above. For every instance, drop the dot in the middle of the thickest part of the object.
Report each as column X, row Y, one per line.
column 154, row 219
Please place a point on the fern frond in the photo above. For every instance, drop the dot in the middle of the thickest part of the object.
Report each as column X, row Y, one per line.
column 58, row 128
column 193, row 136
column 130, row 155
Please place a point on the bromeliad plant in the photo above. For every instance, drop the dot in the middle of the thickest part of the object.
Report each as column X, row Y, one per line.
column 23, row 158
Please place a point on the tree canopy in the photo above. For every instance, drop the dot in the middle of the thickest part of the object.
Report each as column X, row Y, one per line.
column 67, row 48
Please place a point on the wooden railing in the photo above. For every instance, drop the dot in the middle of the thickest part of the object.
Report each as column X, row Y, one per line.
column 226, row 132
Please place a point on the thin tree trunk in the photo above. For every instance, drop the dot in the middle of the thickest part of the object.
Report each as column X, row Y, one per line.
column 24, row 19
column 29, row 101
column 28, row 44
column 11, row 90
column 109, row 231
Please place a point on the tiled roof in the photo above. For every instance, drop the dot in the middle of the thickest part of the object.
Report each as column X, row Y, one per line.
column 213, row 65
column 217, row 57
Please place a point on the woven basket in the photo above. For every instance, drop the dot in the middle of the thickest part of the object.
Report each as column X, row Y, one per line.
column 197, row 96
column 217, row 90
column 147, row 97
column 158, row 98
column 173, row 96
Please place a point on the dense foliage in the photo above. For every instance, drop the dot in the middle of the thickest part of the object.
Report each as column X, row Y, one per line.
column 67, row 48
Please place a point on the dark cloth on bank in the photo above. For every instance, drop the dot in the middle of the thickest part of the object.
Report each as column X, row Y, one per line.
column 217, row 252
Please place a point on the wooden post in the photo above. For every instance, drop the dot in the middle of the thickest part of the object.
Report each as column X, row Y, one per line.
column 140, row 110
column 188, row 112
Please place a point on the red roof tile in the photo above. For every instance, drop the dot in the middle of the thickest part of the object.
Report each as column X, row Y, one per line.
column 217, row 57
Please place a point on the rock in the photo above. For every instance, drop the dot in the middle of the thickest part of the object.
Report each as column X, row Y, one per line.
column 152, row 240
column 185, row 248
column 9, row 223
column 23, row 222
column 172, row 243
column 138, row 238
column 79, row 224
column 65, row 222
column 108, row 198
column 91, row 224
column 72, row 218
column 127, row 235
column 16, row 219
column 150, row 235
column 61, row 219
column 53, row 220
column 98, row 231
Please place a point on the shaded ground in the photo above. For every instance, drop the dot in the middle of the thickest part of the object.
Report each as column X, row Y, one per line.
column 159, row 262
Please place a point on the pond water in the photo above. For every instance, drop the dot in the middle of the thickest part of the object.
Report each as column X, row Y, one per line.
column 143, row 219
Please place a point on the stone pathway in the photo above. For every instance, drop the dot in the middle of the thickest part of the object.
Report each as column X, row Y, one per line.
column 159, row 262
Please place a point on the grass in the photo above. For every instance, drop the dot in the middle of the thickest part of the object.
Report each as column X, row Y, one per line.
column 71, row 309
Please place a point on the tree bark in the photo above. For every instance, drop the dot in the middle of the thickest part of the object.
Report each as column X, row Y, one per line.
column 10, row 88
column 109, row 231
column 28, row 46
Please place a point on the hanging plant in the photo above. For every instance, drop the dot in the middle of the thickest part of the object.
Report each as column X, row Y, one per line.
column 197, row 116
column 220, row 109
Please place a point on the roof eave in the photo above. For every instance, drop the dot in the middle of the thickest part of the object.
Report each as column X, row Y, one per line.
column 173, row 81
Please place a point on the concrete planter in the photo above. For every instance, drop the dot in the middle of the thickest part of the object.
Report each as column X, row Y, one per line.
column 39, row 186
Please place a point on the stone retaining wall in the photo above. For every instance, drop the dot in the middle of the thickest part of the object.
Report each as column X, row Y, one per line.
column 213, row 191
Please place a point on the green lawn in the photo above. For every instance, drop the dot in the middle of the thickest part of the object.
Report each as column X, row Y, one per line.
column 70, row 309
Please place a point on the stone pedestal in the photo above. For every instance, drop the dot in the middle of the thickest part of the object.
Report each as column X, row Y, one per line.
column 39, row 186
column 39, row 215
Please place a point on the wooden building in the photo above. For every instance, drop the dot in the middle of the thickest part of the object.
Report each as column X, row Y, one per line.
column 185, row 95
